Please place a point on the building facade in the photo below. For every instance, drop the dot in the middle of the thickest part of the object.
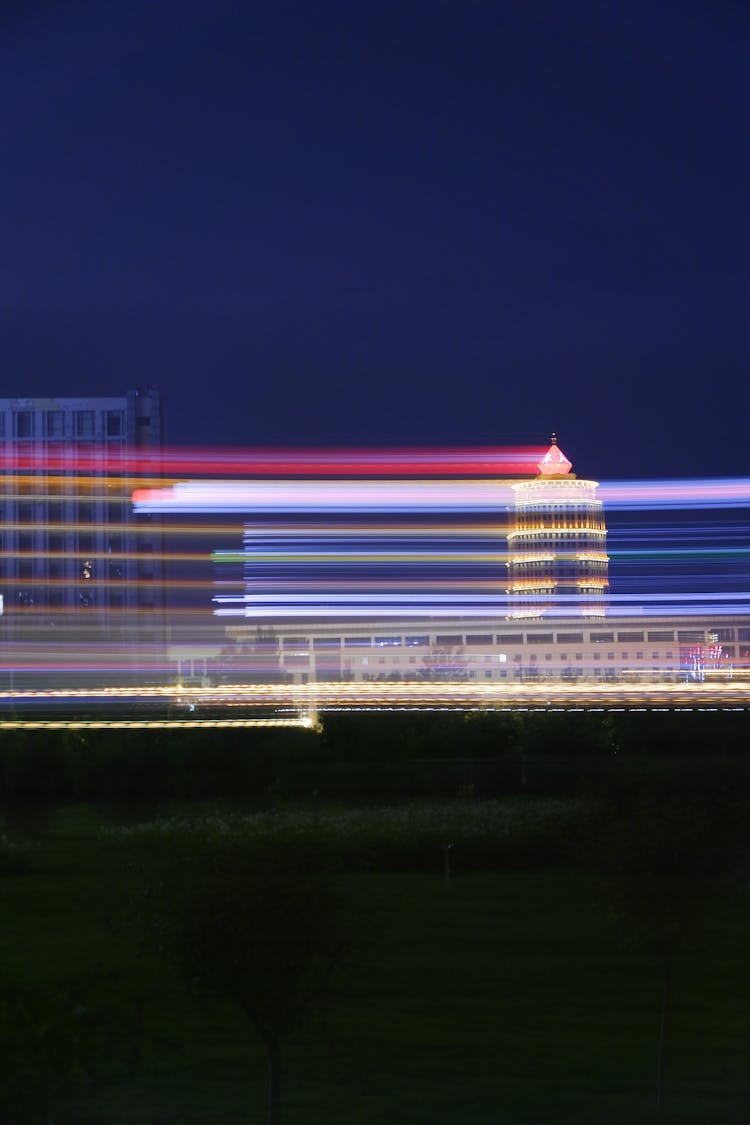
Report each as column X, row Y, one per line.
column 77, row 568
column 617, row 649
column 557, row 560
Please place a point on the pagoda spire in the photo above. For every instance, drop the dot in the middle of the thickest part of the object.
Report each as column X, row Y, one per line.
column 554, row 463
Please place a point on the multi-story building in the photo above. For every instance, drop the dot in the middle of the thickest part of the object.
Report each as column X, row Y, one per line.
column 654, row 648
column 557, row 561
column 80, row 575
column 553, row 624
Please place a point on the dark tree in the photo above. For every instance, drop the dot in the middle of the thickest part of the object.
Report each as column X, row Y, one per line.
column 253, row 923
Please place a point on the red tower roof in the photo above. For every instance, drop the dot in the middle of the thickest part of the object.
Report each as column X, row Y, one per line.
column 554, row 463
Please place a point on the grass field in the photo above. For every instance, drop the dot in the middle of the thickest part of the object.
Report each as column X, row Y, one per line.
column 507, row 996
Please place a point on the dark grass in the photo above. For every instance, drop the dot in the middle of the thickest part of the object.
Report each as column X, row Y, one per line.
column 513, row 996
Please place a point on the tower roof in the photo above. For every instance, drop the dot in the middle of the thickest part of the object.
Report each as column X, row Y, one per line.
column 554, row 463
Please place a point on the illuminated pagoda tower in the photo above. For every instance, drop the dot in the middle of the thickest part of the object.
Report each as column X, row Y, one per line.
column 557, row 562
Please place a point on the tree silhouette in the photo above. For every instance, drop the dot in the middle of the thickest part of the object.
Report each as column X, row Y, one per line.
column 257, row 924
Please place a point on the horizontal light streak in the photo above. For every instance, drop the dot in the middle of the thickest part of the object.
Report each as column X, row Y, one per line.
column 149, row 724
column 311, row 698
column 299, row 462
column 423, row 495
column 259, row 497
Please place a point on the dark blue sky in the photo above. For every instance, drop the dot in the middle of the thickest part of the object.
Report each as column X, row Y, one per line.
column 381, row 223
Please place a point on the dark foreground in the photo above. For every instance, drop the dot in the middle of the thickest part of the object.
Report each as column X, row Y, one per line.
column 576, row 955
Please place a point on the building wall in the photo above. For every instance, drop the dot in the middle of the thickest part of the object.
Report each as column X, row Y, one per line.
column 615, row 649
column 77, row 568
column 556, row 546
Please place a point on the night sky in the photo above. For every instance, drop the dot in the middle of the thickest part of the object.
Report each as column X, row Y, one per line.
column 387, row 223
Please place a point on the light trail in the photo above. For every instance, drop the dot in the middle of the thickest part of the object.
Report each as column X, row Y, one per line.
column 153, row 724
column 410, row 496
column 102, row 573
column 311, row 698
column 311, row 462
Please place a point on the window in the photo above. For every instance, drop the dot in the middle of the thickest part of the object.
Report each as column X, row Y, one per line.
column 53, row 425
column 55, row 512
column 449, row 639
column 85, row 425
column 517, row 638
column 23, row 424
column 539, row 639
column 630, row 636
column 479, row 639
column 416, row 640
column 115, row 424
column 661, row 635
column 579, row 656
column 387, row 642
column 639, row 656
column 597, row 656
column 570, row 638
